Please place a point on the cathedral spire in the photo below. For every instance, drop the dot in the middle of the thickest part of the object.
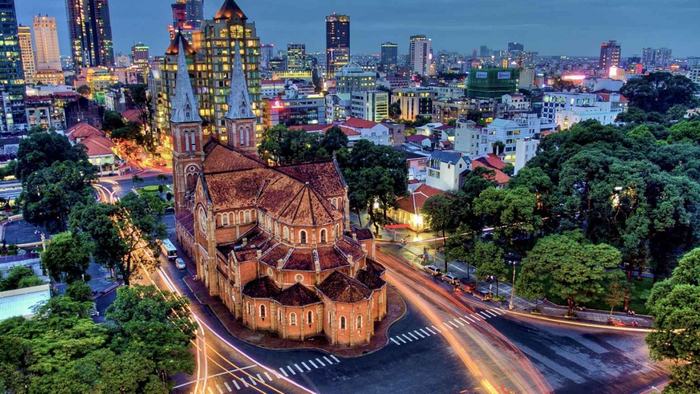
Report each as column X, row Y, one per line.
column 184, row 105
column 239, row 104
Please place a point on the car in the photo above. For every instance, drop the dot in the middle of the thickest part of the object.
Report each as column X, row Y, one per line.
column 432, row 270
column 450, row 279
column 180, row 264
column 467, row 285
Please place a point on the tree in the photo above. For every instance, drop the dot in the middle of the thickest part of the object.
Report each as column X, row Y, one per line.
column 284, row 146
column 395, row 110
column 84, row 91
column 659, row 91
column 334, row 140
column 43, row 149
column 155, row 325
column 439, row 216
column 66, row 257
column 675, row 305
column 685, row 131
column 79, row 291
column 19, row 277
column 112, row 120
column 488, row 259
column 618, row 292
column 511, row 212
column 137, row 221
column 50, row 193
column 569, row 268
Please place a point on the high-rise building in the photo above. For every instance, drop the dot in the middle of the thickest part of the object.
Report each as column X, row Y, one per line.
column 484, row 51
column 370, row 105
column 210, row 66
column 610, row 54
column 515, row 47
column 337, row 43
column 267, row 52
column 296, row 57
column 353, row 78
column 421, row 53
column 140, row 53
column 660, row 57
column 195, row 12
column 26, row 53
column 90, row 32
column 390, row 56
column 11, row 73
column 648, row 57
column 48, row 53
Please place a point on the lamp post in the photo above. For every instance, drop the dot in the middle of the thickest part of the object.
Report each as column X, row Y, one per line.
column 513, row 261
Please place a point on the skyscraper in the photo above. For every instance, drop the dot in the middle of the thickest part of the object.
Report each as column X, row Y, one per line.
column 337, row 43
column 90, row 33
column 389, row 56
column 610, row 53
column 48, row 53
column 26, row 53
column 140, row 53
column 11, row 74
column 195, row 12
column 515, row 47
column 421, row 54
column 296, row 57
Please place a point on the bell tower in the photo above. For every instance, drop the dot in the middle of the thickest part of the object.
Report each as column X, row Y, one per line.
column 240, row 119
column 186, row 130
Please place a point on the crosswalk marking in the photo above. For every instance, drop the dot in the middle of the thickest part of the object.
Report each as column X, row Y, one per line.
column 219, row 388
column 458, row 321
column 401, row 339
column 236, row 384
column 407, row 338
column 268, row 376
column 318, row 360
column 260, row 378
column 484, row 315
column 429, row 329
column 394, row 340
column 424, row 332
column 299, row 368
column 456, row 326
column 436, row 329
column 228, row 387
column 284, row 372
column 491, row 313
column 245, row 383
column 476, row 317
column 335, row 358
column 328, row 360
column 291, row 370
column 470, row 319
column 462, row 319
column 306, row 366
column 419, row 334
column 413, row 336
column 312, row 364
column 252, row 381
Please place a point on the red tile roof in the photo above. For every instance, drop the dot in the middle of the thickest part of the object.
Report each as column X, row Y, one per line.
column 417, row 138
column 359, row 123
column 316, row 175
column 414, row 202
column 312, row 127
column 98, row 146
column 493, row 161
column 83, row 130
column 261, row 288
column 297, row 295
column 342, row 288
column 370, row 279
column 349, row 132
column 498, row 176
column 132, row 115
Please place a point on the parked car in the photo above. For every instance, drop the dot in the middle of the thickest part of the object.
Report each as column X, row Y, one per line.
column 481, row 295
column 432, row 270
column 180, row 264
column 450, row 279
column 467, row 285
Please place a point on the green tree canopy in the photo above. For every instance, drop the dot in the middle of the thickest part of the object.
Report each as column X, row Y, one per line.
column 659, row 91
column 285, row 147
column 42, row 149
column 66, row 257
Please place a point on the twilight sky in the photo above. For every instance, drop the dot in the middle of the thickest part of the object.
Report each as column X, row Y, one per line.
column 572, row 27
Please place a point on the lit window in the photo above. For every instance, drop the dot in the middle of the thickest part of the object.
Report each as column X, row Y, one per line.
column 323, row 235
column 292, row 319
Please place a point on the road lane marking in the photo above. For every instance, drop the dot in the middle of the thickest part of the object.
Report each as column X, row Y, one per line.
column 429, row 329
column 252, row 381
column 291, row 370
column 328, row 360
column 491, row 313
column 393, row 340
column 418, row 333
column 424, row 332
column 470, row 319
column 245, row 383
column 436, row 329
column 456, row 326
column 268, row 376
column 228, row 387
column 485, row 316
column 284, row 372
column 460, row 322
column 318, row 360
column 306, row 366
column 413, row 336
column 401, row 339
column 299, row 368
column 462, row 319
column 335, row 358
column 219, row 388
column 236, row 384
column 312, row 364
column 407, row 338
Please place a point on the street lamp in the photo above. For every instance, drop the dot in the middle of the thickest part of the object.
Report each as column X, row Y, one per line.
column 513, row 261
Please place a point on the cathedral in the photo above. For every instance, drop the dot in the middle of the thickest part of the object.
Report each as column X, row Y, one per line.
column 273, row 243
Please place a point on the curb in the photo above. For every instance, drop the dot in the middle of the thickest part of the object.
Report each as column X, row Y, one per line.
column 579, row 324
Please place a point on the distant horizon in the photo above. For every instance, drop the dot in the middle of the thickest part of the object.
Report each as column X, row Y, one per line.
column 452, row 26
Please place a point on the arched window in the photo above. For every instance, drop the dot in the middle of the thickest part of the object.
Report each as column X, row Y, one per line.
column 292, row 319
column 225, row 220
column 262, row 312
column 359, row 322
column 342, row 322
column 309, row 317
column 247, row 307
column 337, row 232
column 285, row 233
column 323, row 236
column 302, row 237
column 241, row 133
column 246, row 216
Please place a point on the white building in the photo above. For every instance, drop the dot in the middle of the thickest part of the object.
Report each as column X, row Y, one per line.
column 525, row 150
column 353, row 78
column 567, row 109
column 515, row 102
column 694, row 75
column 559, row 101
column 357, row 129
column 525, row 126
column 471, row 140
column 446, row 169
column 370, row 105
column 337, row 107
column 421, row 54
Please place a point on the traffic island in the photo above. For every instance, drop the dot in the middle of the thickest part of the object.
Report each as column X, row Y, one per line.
column 396, row 309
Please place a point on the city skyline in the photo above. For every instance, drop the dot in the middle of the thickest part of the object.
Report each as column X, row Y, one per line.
column 580, row 30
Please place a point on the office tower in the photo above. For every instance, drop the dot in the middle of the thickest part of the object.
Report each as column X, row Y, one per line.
column 609, row 55
column 296, row 57
column 337, row 43
column 140, row 53
column 11, row 74
column 648, row 57
column 421, row 53
column 48, row 53
column 179, row 11
column 515, row 47
column 390, row 56
column 267, row 52
column 662, row 57
column 195, row 12
column 484, row 51
column 26, row 53
column 90, row 33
